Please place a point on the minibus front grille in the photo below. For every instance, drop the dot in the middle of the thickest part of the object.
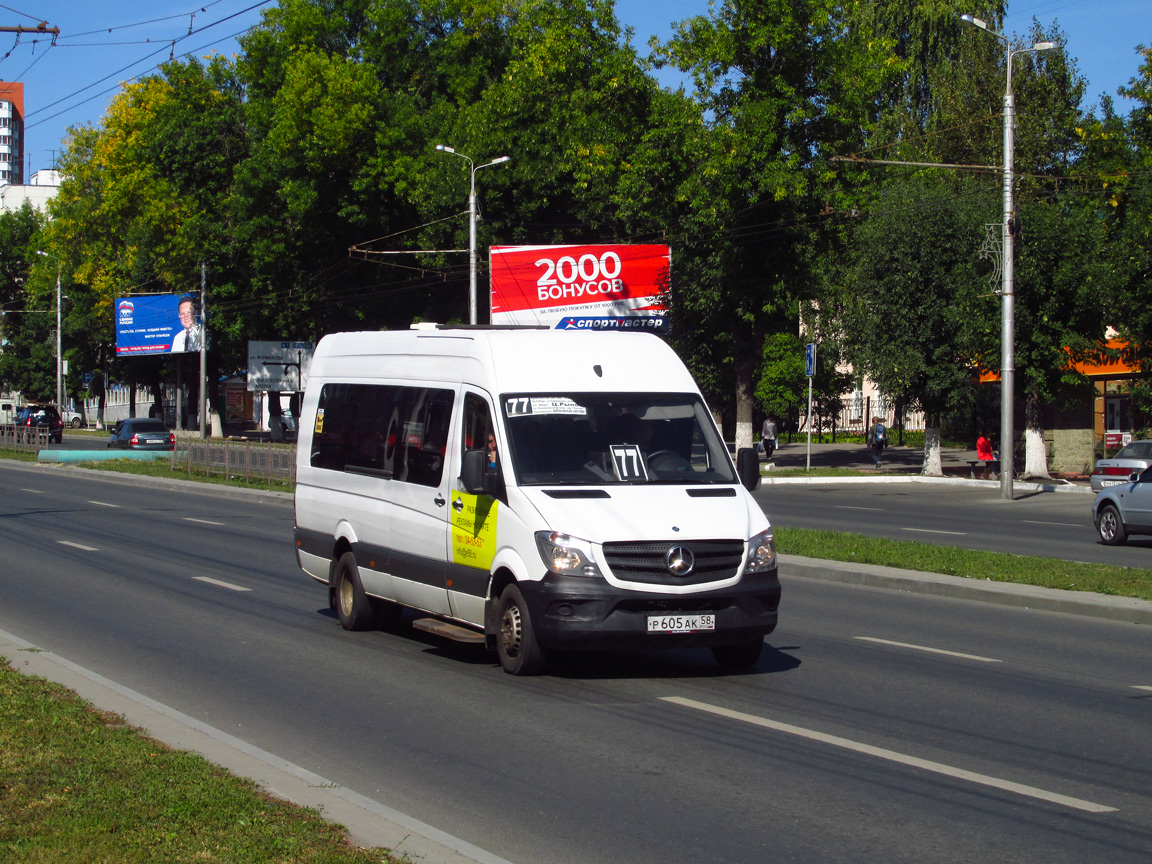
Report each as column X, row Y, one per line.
column 648, row 563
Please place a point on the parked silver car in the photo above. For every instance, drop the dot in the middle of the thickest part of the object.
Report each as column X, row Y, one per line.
column 1124, row 509
column 1114, row 471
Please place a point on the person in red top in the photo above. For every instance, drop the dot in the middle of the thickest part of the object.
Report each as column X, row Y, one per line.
column 984, row 453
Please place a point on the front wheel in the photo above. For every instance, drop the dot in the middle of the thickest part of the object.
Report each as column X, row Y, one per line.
column 352, row 604
column 75, row 423
column 516, row 645
column 738, row 656
column 1110, row 527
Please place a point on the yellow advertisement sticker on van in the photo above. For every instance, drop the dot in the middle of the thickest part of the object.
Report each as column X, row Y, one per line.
column 474, row 530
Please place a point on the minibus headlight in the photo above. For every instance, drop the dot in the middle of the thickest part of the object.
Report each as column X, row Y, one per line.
column 761, row 553
column 566, row 556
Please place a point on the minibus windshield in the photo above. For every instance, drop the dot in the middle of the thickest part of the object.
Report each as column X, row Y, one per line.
column 594, row 439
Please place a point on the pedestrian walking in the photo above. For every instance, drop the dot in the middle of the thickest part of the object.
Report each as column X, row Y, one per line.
column 768, row 436
column 876, row 439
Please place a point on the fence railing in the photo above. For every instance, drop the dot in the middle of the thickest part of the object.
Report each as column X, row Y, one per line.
column 254, row 461
column 27, row 438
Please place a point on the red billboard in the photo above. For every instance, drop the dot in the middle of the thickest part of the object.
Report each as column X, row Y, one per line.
column 603, row 287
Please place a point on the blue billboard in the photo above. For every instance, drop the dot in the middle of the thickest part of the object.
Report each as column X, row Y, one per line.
column 157, row 324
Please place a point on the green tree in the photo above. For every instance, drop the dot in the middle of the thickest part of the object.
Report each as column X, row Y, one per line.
column 786, row 85
column 909, row 301
column 28, row 300
column 1119, row 162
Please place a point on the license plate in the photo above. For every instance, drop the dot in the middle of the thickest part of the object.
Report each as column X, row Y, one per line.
column 1104, row 483
column 680, row 623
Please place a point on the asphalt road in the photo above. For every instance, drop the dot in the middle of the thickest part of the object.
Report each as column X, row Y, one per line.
column 1049, row 524
column 850, row 741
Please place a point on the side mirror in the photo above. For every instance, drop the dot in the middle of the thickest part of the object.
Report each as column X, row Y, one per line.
column 748, row 468
column 1134, row 477
column 473, row 472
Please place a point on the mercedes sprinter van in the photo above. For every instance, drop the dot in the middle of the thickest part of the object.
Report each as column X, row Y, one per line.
column 535, row 490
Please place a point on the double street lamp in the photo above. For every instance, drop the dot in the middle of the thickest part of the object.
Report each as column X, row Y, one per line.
column 472, row 169
column 1007, row 331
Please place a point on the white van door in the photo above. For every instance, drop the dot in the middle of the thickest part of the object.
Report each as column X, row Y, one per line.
column 418, row 437
column 472, row 545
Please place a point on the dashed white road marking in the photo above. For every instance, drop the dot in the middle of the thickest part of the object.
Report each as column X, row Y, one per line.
column 851, row 507
column 34, row 491
column 1141, row 687
column 893, row 756
column 1061, row 524
column 220, row 584
column 930, row 650
column 80, row 546
column 104, row 504
column 934, row 531
column 202, row 521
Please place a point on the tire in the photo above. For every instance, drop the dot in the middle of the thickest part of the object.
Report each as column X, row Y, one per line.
column 75, row 424
column 352, row 605
column 1110, row 527
column 516, row 644
column 741, row 656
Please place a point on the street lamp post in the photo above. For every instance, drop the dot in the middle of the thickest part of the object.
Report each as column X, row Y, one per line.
column 59, row 341
column 472, row 169
column 1007, row 311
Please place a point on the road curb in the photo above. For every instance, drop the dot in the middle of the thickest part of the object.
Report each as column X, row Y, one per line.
column 367, row 823
column 1128, row 609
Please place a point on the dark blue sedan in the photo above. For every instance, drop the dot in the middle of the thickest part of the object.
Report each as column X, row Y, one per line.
column 141, row 433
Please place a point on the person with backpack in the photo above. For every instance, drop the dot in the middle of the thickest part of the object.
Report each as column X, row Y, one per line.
column 876, row 439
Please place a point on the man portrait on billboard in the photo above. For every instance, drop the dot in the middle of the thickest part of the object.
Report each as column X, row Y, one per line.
column 187, row 339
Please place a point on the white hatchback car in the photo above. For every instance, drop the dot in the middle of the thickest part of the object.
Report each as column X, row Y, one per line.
column 1114, row 471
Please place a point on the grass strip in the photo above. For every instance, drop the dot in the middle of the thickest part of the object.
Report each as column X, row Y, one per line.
column 968, row 563
column 162, row 468
column 77, row 784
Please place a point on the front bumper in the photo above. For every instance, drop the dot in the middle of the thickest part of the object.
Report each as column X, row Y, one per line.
column 583, row 612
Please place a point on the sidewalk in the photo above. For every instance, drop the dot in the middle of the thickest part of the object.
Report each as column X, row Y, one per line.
column 897, row 461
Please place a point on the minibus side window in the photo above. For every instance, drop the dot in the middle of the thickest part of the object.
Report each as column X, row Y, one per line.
column 334, row 417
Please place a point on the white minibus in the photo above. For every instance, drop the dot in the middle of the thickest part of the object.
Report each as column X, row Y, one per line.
column 535, row 490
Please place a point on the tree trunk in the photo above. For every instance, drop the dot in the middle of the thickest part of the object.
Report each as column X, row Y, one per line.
column 932, row 464
column 745, row 388
column 1035, row 454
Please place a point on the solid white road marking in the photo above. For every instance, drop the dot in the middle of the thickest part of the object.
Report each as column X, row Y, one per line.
column 893, row 756
column 926, row 648
column 103, row 503
column 78, row 546
column 202, row 521
column 220, row 584
column 934, row 531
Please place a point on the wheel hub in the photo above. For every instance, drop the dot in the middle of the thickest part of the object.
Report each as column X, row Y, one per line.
column 511, row 631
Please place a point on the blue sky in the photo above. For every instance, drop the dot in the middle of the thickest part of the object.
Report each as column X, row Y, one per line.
column 103, row 44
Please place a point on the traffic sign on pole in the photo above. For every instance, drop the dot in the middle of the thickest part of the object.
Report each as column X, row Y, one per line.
column 810, row 359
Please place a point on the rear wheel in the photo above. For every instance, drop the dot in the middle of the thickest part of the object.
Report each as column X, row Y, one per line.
column 516, row 644
column 1110, row 527
column 352, row 604
column 738, row 656
column 75, row 423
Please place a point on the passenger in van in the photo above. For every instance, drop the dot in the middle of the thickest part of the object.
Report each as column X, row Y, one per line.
column 492, row 454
